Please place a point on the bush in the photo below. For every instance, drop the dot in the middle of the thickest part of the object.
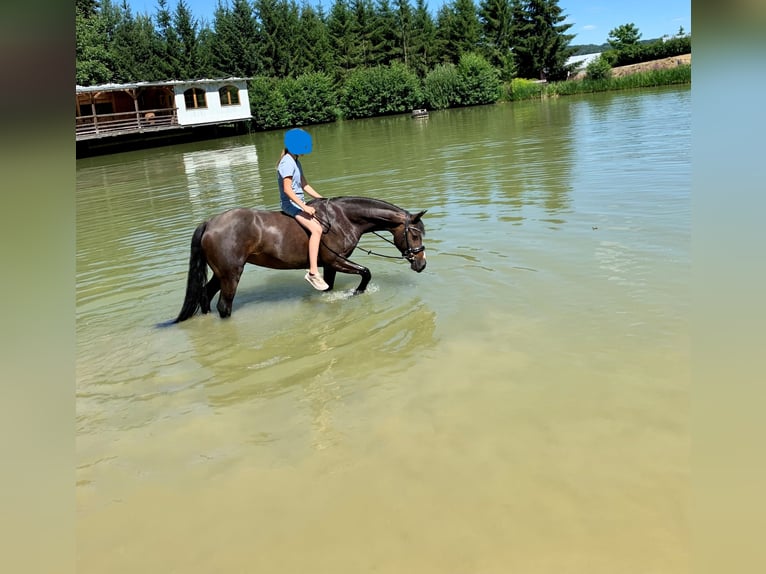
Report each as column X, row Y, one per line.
column 598, row 69
column 637, row 53
column 479, row 82
column 441, row 87
column 268, row 105
column 380, row 91
column 521, row 89
column 310, row 98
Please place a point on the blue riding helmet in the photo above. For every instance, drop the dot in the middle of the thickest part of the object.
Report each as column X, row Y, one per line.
column 298, row 141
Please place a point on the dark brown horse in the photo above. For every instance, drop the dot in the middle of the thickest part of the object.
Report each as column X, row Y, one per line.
column 272, row 239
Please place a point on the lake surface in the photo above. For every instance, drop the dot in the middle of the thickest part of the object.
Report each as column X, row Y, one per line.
column 520, row 406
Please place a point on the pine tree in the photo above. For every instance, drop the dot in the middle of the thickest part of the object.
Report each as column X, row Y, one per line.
column 422, row 53
column 136, row 48
column 457, row 30
column 95, row 24
column 340, row 26
column 280, row 35
column 235, row 51
column 541, row 45
column 496, row 18
column 363, row 33
column 185, row 26
column 314, row 51
column 169, row 62
column 403, row 30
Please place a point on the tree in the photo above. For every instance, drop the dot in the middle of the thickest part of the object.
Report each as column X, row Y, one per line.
column 280, row 36
column 340, row 28
column 496, row 19
column 136, row 48
column 86, row 8
column 94, row 26
column 235, row 50
column 541, row 45
column 171, row 47
column 314, row 51
column 363, row 33
column 403, row 30
column 457, row 30
column 386, row 47
column 624, row 36
column 189, row 65
column 422, row 55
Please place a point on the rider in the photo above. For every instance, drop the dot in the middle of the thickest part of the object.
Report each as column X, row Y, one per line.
column 292, row 185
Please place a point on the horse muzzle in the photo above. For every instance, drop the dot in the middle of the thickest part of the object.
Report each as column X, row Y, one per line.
column 418, row 262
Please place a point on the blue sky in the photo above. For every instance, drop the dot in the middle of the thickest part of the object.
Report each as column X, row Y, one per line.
column 591, row 19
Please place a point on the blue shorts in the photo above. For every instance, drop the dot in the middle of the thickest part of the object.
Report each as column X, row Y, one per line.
column 291, row 209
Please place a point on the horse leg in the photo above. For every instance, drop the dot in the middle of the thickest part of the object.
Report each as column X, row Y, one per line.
column 366, row 276
column 212, row 287
column 228, row 289
column 347, row 266
column 329, row 277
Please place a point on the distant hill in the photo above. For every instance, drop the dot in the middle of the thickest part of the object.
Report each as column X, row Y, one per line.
column 584, row 49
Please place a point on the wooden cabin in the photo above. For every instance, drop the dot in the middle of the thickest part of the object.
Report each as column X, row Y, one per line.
column 114, row 110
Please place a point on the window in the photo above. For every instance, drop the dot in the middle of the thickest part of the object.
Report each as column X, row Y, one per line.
column 102, row 108
column 229, row 96
column 195, row 98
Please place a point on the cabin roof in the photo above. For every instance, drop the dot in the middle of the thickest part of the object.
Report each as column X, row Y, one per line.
column 106, row 87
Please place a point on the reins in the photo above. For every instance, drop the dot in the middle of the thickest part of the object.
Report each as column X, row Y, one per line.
column 408, row 254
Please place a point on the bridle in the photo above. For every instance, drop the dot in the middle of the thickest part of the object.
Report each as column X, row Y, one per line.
column 409, row 252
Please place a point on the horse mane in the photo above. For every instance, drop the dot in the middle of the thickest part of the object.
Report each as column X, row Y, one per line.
column 370, row 208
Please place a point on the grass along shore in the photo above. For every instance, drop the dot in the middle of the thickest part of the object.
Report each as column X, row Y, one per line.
column 644, row 75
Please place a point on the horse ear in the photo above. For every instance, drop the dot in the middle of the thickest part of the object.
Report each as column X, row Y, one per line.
column 417, row 216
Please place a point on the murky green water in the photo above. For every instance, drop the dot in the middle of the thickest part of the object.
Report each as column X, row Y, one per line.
column 520, row 406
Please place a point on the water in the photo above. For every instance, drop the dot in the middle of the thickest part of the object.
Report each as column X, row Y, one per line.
column 521, row 405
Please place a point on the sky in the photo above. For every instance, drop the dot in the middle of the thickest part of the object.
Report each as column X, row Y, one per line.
column 591, row 20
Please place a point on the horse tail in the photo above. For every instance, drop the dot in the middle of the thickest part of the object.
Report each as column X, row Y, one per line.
column 196, row 293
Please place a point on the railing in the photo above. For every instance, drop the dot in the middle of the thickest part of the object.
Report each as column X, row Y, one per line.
column 87, row 127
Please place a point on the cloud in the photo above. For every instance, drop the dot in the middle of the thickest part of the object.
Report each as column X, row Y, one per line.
column 589, row 27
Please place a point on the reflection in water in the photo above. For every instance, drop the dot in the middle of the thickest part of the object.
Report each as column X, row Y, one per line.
column 520, row 405
column 219, row 173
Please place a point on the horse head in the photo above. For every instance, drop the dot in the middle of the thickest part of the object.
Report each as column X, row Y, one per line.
column 408, row 238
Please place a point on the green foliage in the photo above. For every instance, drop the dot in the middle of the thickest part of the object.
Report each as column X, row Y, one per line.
column 279, row 36
column 646, row 52
column 307, row 99
column 624, row 36
column 441, row 87
column 496, row 19
column 523, row 89
column 237, row 49
column 310, row 98
column 379, row 91
column 268, row 105
column 421, row 55
column 457, row 30
column 363, row 58
column 598, row 69
column 93, row 59
column 479, row 82
column 541, row 43
column 314, row 51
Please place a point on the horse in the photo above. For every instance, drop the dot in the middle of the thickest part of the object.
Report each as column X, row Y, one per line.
column 272, row 239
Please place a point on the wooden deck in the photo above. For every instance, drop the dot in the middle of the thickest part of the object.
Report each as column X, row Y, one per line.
column 116, row 124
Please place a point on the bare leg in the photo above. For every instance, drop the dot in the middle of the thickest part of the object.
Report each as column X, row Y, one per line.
column 314, row 240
